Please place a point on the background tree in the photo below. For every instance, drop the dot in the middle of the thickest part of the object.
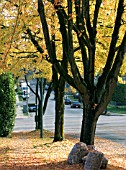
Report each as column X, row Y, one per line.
column 58, row 81
column 85, row 24
column 17, row 52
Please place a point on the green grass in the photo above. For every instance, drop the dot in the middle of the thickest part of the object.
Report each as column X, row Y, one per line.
column 19, row 95
column 117, row 109
column 26, row 114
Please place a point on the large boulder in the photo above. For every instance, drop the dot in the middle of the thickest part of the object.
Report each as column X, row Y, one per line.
column 104, row 163
column 77, row 153
column 93, row 160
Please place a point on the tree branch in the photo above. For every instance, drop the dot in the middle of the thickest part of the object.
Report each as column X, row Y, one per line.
column 32, row 38
column 97, row 6
column 46, row 31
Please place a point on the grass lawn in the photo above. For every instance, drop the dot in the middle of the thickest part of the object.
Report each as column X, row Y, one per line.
column 117, row 109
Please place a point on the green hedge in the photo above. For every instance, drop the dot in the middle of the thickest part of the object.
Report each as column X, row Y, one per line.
column 120, row 93
column 7, row 104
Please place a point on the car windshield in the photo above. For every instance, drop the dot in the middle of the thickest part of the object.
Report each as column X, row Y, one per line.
column 25, row 88
column 67, row 99
column 75, row 102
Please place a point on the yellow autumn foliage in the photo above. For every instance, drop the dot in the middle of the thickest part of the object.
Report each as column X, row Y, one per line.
column 17, row 52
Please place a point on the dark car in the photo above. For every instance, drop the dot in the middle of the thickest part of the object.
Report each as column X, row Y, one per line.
column 76, row 104
column 105, row 112
column 32, row 108
column 76, row 96
column 46, row 87
column 67, row 101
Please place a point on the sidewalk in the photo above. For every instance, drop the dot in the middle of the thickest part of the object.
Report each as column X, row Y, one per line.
column 19, row 112
column 19, row 109
column 23, row 122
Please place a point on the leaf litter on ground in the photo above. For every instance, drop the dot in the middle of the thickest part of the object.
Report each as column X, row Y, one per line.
column 27, row 151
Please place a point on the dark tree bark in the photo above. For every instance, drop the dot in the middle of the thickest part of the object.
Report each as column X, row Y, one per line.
column 36, row 102
column 88, row 127
column 47, row 96
column 59, row 85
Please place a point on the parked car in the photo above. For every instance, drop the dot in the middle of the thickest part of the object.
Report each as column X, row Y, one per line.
column 67, row 101
column 105, row 112
column 76, row 104
column 25, row 88
column 46, row 87
column 32, row 108
column 76, row 96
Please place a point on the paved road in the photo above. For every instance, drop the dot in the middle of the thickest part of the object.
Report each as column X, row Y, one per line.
column 111, row 126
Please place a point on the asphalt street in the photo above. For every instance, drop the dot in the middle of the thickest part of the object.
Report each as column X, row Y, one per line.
column 111, row 126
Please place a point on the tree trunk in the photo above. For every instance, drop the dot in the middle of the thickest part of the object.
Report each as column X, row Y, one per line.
column 40, row 105
column 47, row 97
column 39, row 110
column 88, row 125
column 36, row 102
column 62, row 121
column 57, row 136
column 59, row 85
column 59, row 117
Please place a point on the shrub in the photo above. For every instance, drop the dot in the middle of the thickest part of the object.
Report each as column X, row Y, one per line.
column 7, row 104
column 120, row 93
